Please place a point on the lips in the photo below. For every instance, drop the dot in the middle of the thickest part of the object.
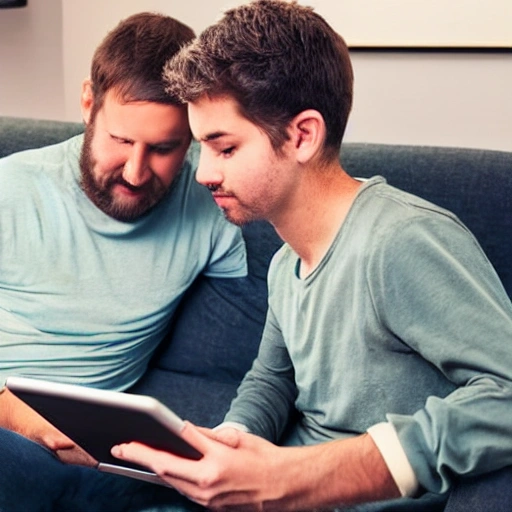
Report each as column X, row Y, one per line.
column 129, row 191
column 222, row 199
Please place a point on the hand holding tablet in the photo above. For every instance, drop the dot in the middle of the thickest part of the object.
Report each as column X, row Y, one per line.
column 97, row 419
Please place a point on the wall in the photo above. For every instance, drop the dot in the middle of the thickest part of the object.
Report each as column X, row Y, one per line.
column 451, row 99
column 31, row 64
column 87, row 21
column 433, row 99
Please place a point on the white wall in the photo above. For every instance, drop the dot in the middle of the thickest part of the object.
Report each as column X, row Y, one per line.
column 451, row 99
column 87, row 21
column 433, row 99
column 31, row 65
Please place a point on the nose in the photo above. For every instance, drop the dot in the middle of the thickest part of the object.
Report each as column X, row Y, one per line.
column 136, row 169
column 208, row 174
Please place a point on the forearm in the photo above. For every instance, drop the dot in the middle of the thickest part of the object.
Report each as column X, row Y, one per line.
column 240, row 471
column 337, row 473
column 267, row 394
column 466, row 430
column 17, row 416
column 264, row 410
column 6, row 406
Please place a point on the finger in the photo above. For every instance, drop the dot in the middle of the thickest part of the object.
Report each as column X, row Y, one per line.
column 138, row 452
column 200, row 439
column 229, row 436
column 78, row 456
column 56, row 440
column 163, row 463
column 135, row 452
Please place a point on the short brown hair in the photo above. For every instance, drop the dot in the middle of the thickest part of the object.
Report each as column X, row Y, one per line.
column 276, row 59
column 132, row 55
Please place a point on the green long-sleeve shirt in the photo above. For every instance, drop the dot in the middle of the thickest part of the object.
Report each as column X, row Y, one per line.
column 404, row 320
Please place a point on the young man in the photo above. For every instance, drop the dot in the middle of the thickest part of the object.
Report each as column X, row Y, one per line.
column 387, row 329
column 96, row 238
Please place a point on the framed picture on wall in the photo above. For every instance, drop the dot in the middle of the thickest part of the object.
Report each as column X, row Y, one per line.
column 451, row 24
column 4, row 4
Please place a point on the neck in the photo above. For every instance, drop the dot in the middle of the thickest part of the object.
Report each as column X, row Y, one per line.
column 316, row 213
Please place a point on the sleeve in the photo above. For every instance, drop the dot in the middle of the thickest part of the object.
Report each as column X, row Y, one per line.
column 228, row 257
column 438, row 293
column 386, row 440
column 267, row 393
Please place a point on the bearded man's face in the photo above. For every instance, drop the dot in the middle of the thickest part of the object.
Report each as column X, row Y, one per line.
column 131, row 154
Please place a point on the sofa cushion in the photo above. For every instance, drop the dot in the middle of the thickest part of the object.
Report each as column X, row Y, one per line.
column 199, row 399
column 217, row 329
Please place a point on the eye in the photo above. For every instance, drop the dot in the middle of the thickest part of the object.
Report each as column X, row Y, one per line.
column 120, row 140
column 161, row 150
column 165, row 149
column 228, row 151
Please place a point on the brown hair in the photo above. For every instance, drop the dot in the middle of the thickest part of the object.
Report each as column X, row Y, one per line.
column 132, row 55
column 276, row 59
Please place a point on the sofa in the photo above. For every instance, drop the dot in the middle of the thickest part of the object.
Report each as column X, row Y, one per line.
column 214, row 336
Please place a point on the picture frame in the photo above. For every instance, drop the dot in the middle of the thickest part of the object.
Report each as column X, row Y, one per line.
column 421, row 25
column 7, row 4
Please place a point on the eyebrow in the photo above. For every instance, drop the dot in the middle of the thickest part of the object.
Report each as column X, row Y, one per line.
column 214, row 136
column 173, row 141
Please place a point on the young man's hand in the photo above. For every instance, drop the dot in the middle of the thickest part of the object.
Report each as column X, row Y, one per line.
column 243, row 472
column 17, row 416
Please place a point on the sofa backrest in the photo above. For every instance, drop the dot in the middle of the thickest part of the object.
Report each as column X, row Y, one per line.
column 18, row 134
column 474, row 184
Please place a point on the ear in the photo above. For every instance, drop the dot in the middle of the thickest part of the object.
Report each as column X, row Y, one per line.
column 86, row 100
column 307, row 132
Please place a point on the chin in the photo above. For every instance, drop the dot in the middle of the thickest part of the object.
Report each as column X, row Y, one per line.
column 238, row 218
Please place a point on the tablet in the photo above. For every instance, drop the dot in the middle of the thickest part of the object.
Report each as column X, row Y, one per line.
column 97, row 419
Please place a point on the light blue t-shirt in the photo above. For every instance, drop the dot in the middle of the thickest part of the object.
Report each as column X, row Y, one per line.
column 85, row 298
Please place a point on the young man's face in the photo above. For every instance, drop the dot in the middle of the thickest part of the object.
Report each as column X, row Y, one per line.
column 131, row 154
column 249, row 181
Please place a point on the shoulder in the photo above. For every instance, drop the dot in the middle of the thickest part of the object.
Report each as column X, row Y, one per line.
column 38, row 176
column 282, row 264
column 378, row 196
column 387, row 214
column 40, row 161
column 411, row 241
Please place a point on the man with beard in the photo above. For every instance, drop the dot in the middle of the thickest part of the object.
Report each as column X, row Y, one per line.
column 100, row 236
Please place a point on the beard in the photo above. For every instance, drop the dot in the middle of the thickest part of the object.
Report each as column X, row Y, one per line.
column 101, row 194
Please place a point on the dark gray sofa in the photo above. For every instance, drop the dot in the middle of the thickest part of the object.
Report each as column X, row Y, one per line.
column 215, row 335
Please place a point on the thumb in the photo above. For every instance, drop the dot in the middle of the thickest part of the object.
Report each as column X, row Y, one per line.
column 56, row 440
column 228, row 435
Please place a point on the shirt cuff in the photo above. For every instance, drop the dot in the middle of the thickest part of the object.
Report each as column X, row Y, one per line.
column 385, row 437
column 232, row 424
